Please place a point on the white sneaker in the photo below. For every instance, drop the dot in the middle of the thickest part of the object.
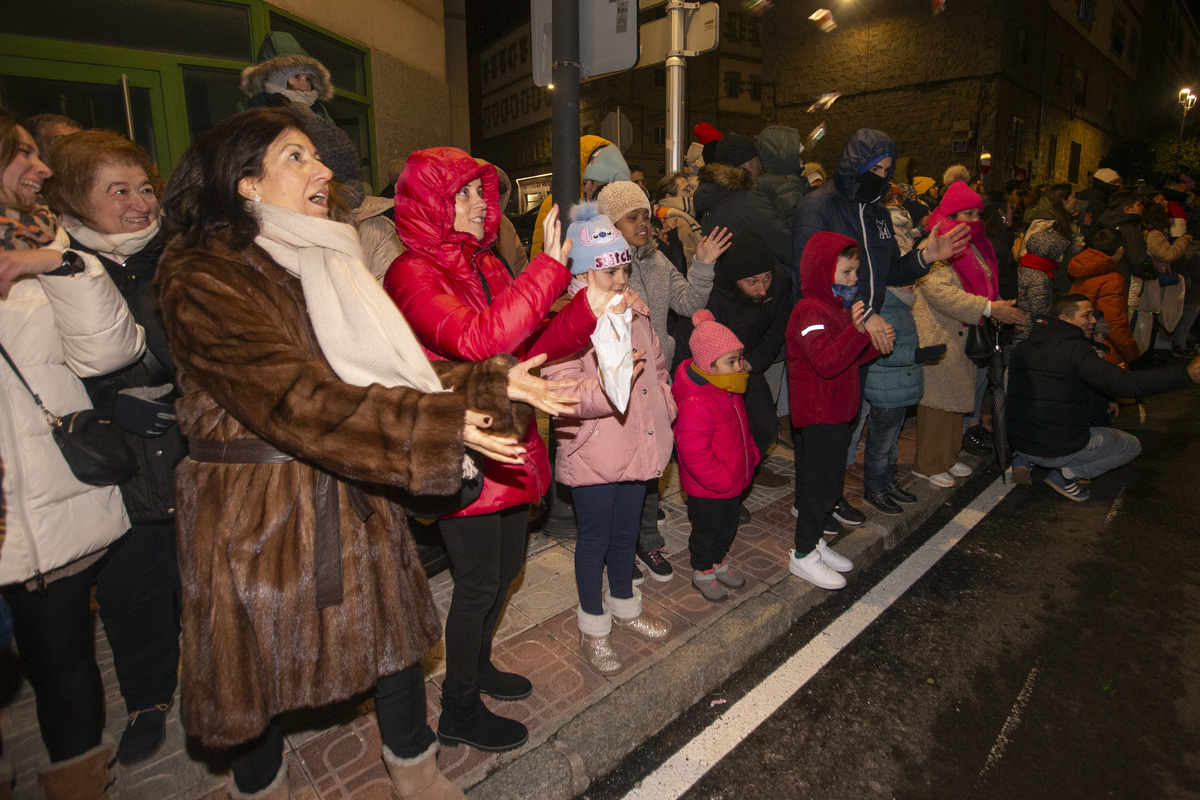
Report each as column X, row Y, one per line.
column 835, row 561
column 942, row 480
column 812, row 569
column 960, row 470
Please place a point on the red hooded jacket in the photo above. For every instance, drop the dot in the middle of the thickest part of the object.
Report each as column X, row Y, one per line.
column 463, row 304
column 717, row 454
column 824, row 350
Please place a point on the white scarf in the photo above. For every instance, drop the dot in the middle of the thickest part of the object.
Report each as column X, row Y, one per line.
column 362, row 334
column 306, row 98
column 113, row 246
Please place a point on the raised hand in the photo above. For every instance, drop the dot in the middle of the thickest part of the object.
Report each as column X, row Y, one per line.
column 710, row 248
column 551, row 237
column 954, row 241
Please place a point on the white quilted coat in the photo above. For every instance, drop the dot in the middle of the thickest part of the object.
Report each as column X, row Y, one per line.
column 57, row 329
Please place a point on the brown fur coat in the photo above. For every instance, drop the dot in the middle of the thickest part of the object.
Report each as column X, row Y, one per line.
column 254, row 643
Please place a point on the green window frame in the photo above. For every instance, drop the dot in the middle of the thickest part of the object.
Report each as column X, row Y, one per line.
column 163, row 75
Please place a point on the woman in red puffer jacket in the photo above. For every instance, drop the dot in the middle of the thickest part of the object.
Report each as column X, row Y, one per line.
column 462, row 303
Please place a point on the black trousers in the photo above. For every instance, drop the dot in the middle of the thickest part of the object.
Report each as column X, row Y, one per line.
column 760, row 412
column 714, row 526
column 56, row 638
column 820, row 452
column 399, row 705
column 486, row 555
column 137, row 589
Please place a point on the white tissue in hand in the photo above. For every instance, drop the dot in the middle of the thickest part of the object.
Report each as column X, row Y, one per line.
column 613, row 341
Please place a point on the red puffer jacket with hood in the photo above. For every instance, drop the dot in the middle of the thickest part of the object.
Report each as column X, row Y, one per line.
column 463, row 304
column 824, row 349
column 717, row 454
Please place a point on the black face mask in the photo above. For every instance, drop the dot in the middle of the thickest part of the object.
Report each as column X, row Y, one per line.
column 870, row 186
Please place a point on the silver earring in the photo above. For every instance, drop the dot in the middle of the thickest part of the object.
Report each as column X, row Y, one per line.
column 257, row 198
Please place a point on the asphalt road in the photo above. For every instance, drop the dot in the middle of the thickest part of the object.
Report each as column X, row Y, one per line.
column 1055, row 652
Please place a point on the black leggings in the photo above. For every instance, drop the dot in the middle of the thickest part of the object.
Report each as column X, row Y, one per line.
column 56, row 638
column 399, row 705
column 486, row 555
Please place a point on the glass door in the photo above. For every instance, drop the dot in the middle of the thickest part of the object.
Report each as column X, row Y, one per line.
column 95, row 96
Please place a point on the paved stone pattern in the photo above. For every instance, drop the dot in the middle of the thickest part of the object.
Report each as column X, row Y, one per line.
column 334, row 753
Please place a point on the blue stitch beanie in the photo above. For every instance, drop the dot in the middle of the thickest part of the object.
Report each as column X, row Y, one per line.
column 595, row 241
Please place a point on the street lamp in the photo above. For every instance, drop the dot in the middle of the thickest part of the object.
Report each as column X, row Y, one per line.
column 1187, row 100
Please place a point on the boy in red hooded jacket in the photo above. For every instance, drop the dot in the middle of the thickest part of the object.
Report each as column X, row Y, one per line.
column 826, row 344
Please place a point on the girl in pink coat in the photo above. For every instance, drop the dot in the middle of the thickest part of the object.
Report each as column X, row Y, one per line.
column 606, row 456
column 717, row 454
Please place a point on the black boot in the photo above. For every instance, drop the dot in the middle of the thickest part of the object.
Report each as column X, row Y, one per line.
column 503, row 685
column 466, row 720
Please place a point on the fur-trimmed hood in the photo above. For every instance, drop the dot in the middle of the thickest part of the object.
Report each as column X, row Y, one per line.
column 718, row 180
column 279, row 58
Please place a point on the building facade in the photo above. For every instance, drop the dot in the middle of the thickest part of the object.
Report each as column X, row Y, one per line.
column 181, row 60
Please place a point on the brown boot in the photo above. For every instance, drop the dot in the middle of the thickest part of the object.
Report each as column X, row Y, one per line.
column 785, row 432
column 419, row 778
column 277, row 790
column 84, row 777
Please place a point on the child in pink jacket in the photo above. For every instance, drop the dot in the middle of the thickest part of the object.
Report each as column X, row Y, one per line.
column 717, row 454
column 606, row 456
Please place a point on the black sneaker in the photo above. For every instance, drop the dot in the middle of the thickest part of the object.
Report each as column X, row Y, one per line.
column 662, row 515
column 832, row 527
column 977, row 441
column 144, row 734
column 848, row 515
column 655, row 561
column 743, row 514
column 466, row 720
column 899, row 495
column 883, row 503
column 638, row 577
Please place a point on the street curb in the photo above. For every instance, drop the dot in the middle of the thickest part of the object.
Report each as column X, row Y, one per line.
column 595, row 741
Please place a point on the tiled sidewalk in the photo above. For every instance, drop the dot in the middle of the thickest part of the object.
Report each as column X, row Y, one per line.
column 335, row 752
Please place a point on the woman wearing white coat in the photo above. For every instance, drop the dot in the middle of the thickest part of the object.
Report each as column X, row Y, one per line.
column 61, row 318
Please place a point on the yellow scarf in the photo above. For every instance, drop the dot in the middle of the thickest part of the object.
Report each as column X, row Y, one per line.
column 734, row 382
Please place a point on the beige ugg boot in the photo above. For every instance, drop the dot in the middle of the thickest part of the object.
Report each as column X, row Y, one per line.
column 277, row 790
column 419, row 778
column 595, row 644
column 628, row 616
column 84, row 777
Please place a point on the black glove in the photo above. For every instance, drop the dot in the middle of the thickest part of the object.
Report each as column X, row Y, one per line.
column 140, row 412
column 931, row 353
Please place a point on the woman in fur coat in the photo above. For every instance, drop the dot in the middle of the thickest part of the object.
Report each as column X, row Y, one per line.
column 307, row 402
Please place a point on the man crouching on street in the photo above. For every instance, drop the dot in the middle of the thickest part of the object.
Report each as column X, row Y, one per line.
column 1057, row 381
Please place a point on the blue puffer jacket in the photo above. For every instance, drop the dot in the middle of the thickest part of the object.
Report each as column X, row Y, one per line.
column 895, row 380
column 835, row 207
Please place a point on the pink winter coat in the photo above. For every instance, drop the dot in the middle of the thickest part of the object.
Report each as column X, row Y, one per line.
column 596, row 444
column 717, row 454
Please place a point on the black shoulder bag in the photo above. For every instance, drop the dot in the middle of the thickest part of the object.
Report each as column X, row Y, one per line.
column 93, row 446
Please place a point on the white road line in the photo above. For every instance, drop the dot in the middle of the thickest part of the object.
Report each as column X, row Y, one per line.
column 680, row 772
column 1011, row 723
column 1116, row 506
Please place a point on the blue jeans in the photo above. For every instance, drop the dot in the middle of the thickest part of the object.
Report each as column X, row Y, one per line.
column 882, row 448
column 608, row 517
column 856, row 432
column 1108, row 448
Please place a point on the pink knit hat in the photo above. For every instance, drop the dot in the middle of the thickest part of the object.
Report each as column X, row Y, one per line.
column 710, row 340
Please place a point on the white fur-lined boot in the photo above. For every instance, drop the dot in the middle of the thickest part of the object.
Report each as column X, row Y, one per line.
column 419, row 778
column 629, row 616
column 594, row 631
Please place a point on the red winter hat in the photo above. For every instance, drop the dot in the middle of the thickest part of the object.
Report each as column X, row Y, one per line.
column 710, row 340
column 706, row 133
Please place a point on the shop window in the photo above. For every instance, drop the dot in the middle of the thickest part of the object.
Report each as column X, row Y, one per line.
column 345, row 63
column 352, row 118
column 168, row 26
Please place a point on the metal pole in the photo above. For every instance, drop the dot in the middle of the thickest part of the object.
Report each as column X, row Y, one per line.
column 129, row 106
column 676, row 86
column 565, row 125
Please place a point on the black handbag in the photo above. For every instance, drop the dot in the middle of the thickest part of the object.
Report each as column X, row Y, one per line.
column 981, row 342
column 429, row 506
column 93, row 446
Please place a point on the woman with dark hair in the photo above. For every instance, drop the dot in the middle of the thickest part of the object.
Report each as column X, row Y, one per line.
column 105, row 189
column 1055, row 210
column 308, row 405
column 1167, row 294
column 61, row 319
